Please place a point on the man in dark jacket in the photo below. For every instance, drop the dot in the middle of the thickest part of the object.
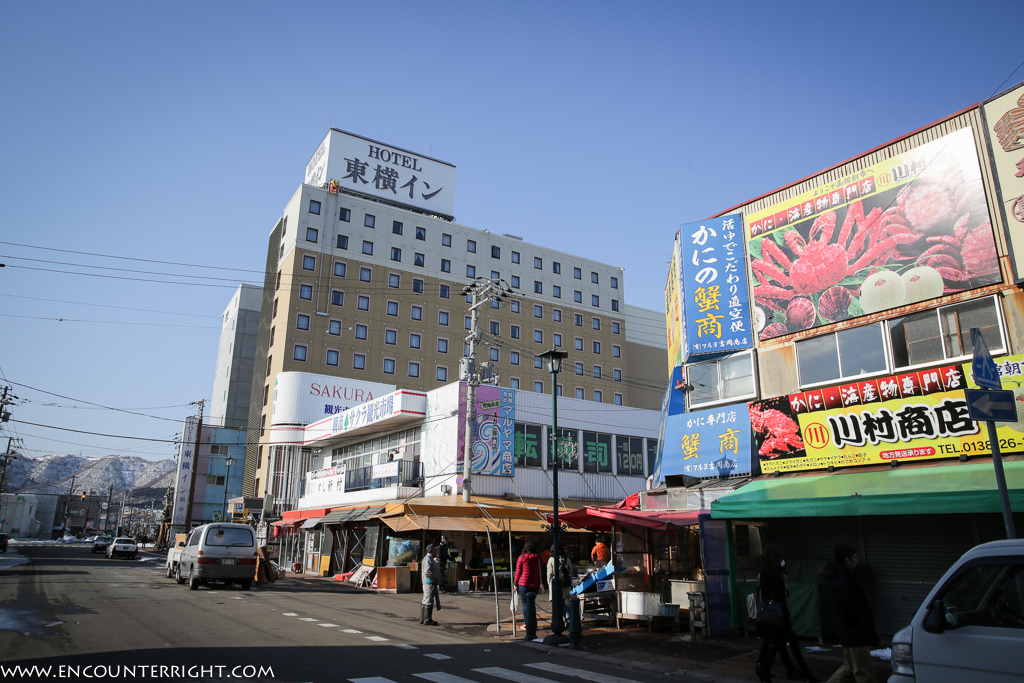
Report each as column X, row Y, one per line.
column 855, row 625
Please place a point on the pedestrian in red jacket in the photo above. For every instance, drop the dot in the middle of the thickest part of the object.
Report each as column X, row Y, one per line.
column 527, row 581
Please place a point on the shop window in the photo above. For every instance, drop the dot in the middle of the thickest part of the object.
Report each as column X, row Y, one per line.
column 944, row 333
column 629, row 455
column 597, row 452
column 721, row 380
column 845, row 354
column 529, row 440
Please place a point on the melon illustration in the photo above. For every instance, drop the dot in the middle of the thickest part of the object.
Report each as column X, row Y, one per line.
column 922, row 283
column 881, row 291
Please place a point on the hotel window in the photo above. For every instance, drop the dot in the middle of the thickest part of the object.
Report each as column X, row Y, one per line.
column 359, row 361
column 368, row 247
column 445, row 292
column 513, row 357
column 597, row 372
column 556, row 267
column 495, row 252
column 514, row 305
column 556, row 339
column 418, row 259
column 363, row 303
column 389, row 366
column 471, row 246
column 344, row 215
column 616, row 351
column 495, row 328
column 309, row 263
column 515, row 257
column 340, row 269
column 300, row 353
column 365, row 274
column 334, row 327
column 538, row 362
column 421, row 234
column 442, row 373
column 615, row 283
column 514, row 331
column 513, row 383
column 593, row 278
column 442, row 318
column 416, row 313
column 446, row 240
column 396, row 227
column 342, row 241
column 394, row 280
column 577, row 273
column 391, row 337
column 469, row 323
column 556, row 291
column 595, row 300
column 595, row 323
column 442, row 345
column 538, row 387
column 538, row 311
column 414, row 369
column 305, row 291
column 361, row 331
column 495, row 303
column 615, row 328
column 470, row 271
column 538, row 263
column 538, row 287
column 369, row 220
column 302, row 322
column 577, row 320
column 579, row 393
column 577, row 296
column 538, row 336
column 615, row 304
column 314, row 207
column 515, row 282
column 495, row 275
column 578, row 343
column 597, row 347
column 446, row 266
column 618, row 399
column 312, row 235
column 332, row 357
column 494, row 355
column 396, row 254
column 414, row 341
column 617, row 375
column 597, row 396
column 392, row 308
column 556, row 315
column 417, row 285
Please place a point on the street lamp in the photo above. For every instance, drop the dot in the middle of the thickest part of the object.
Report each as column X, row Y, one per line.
column 553, row 362
column 229, row 462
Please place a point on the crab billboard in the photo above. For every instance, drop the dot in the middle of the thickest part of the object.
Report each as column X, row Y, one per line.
column 912, row 416
column 716, row 311
column 1004, row 127
column 908, row 229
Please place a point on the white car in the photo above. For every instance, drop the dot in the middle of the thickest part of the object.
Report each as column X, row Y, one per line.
column 122, row 545
column 971, row 625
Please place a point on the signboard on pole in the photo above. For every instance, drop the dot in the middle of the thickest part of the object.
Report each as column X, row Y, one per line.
column 984, row 368
column 991, row 405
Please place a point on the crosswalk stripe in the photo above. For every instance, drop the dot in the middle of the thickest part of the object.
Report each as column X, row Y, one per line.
column 437, row 655
column 578, row 673
column 406, row 646
column 371, row 679
column 308, row 619
column 289, row 614
column 377, row 639
column 327, row 625
column 511, row 675
column 442, row 677
column 351, row 630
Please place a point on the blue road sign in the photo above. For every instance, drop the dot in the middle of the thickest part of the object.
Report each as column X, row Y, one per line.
column 983, row 367
column 986, row 405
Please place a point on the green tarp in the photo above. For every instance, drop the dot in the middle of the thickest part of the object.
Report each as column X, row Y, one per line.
column 942, row 489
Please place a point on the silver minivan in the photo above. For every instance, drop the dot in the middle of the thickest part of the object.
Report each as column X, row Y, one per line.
column 971, row 625
column 218, row 552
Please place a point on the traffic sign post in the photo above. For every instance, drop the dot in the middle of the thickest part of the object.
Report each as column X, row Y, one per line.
column 990, row 405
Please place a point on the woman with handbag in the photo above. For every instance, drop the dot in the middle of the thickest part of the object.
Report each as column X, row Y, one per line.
column 773, row 621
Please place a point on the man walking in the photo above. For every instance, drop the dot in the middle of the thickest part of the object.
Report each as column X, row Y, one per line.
column 430, row 573
column 855, row 625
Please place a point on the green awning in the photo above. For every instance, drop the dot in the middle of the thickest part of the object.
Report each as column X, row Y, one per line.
column 944, row 489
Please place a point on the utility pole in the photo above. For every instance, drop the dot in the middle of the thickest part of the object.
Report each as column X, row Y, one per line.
column 110, row 502
column 195, row 461
column 7, row 455
column 482, row 291
column 67, row 508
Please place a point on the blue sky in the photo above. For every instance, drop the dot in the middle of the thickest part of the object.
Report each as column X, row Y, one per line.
column 177, row 132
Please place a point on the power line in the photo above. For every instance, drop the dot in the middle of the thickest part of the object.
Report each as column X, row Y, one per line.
column 120, row 308
column 130, row 258
column 110, row 322
column 79, row 431
column 98, row 405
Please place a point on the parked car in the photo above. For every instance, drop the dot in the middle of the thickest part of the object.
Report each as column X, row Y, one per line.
column 122, row 545
column 101, row 542
column 218, row 552
column 971, row 625
column 3, row 543
column 174, row 555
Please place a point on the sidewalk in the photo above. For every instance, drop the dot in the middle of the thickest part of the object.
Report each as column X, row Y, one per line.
column 723, row 659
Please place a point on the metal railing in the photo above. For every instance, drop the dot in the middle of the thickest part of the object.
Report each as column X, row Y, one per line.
column 410, row 473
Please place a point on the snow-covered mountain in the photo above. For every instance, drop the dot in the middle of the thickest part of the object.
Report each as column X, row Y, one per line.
column 53, row 473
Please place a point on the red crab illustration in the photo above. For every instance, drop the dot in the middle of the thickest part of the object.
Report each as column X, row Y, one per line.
column 782, row 432
column 822, row 263
column 967, row 253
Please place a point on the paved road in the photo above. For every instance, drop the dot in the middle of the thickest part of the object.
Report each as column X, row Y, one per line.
column 67, row 607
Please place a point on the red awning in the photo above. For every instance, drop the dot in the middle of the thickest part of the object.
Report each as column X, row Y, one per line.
column 629, row 502
column 300, row 515
column 287, row 522
column 601, row 519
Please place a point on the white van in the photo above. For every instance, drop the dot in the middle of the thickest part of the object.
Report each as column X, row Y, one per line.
column 971, row 625
column 218, row 552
